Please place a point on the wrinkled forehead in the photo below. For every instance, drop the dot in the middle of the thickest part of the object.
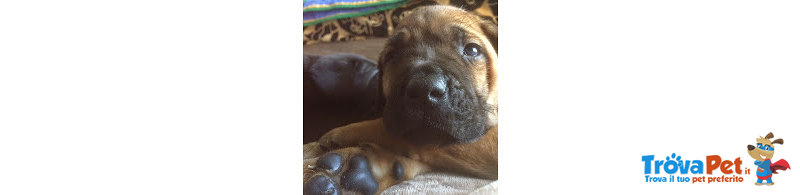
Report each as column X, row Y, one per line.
column 436, row 16
column 434, row 23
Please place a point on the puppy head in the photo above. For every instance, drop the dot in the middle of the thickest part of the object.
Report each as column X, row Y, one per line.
column 764, row 148
column 438, row 77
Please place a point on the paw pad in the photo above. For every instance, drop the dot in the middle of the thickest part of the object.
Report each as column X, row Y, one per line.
column 336, row 176
column 397, row 170
column 330, row 162
column 359, row 176
column 320, row 184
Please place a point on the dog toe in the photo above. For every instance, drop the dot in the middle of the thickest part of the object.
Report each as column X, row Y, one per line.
column 332, row 174
column 359, row 176
column 321, row 185
column 330, row 161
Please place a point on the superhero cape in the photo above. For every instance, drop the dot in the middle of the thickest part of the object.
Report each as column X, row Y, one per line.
column 779, row 165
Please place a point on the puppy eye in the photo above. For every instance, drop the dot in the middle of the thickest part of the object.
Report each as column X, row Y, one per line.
column 472, row 49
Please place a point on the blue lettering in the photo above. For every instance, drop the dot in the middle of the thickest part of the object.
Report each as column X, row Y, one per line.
column 647, row 159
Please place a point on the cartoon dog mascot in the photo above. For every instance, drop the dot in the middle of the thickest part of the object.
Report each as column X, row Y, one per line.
column 763, row 152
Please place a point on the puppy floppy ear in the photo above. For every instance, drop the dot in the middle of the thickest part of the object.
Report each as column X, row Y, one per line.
column 778, row 141
column 769, row 136
column 381, row 100
column 489, row 29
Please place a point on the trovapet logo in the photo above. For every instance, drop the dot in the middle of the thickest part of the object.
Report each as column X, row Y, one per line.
column 762, row 153
column 665, row 170
column 714, row 168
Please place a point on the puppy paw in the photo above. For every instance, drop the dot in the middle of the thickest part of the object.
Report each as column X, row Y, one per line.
column 366, row 169
column 329, row 140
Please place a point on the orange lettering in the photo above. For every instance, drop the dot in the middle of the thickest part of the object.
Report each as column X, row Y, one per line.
column 713, row 162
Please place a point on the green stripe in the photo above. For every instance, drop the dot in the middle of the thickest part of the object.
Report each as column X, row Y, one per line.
column 340, row 16
column 351, row 6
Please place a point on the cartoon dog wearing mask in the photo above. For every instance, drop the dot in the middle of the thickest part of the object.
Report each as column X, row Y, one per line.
column 762, row 153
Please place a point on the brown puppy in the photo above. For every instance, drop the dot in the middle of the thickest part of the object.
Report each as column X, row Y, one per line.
column 438, row 84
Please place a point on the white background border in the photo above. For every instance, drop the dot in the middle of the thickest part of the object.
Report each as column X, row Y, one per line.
column 197, row 97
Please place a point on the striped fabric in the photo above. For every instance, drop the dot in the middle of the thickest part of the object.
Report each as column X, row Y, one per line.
column 316, row 11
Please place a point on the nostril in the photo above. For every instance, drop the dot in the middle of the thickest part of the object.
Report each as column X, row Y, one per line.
column 427, row 87
column 433, row 91
column 437, row 94
column 438, row 90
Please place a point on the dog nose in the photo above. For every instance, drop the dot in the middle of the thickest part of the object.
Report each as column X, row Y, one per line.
column 428, row 86
column 750, row 147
